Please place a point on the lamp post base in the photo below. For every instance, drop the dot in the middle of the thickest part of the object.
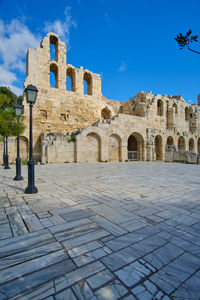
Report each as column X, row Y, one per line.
column 18, row 177
column 6, row 166
column 18, row 169
column 31, row 188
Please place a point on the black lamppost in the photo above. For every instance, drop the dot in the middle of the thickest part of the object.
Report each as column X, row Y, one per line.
column 31, row 95
column 6, row 165
column 4, row 151
column 18, row 112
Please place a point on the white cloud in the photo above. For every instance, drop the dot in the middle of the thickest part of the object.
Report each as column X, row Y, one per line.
column 122, row 67
column 62, row 29
column 15, row 39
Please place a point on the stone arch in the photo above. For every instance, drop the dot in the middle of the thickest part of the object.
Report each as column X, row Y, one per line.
column 175, row 109
column 53, row 45
column 71, row 80
column 115, row 147
column 135, row 147
column 187, row 114
column 191, row 144
column 87, row 77
column 170, row 141
column 53, row 76
column 181, row 144
column 160, row 107
column 106, row 113
column 198, row 145
column 93, row 144
column 158, row 147
column 23, row 141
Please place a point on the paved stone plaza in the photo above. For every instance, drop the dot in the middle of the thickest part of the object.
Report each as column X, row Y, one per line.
column 101, row 231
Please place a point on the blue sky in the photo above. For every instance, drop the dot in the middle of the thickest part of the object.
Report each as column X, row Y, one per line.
column 130, row 43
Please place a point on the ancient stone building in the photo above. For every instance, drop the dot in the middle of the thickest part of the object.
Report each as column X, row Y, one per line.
column 74, row 122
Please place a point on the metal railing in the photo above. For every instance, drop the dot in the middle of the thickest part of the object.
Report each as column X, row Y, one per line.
column 132, row 155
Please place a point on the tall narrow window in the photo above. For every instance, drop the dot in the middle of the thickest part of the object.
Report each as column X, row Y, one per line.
column 71, row 82
column 53, row 76
column 87, row 78
column 175, row 108
column 186, row 113
column 53, row 48
column 159, row 108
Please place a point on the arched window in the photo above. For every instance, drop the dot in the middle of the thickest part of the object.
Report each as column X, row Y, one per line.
column 186, row 113
column 106, row 114
column 191, row 144
column 170, row 141
column 175, row 108
column 181, row 144
column 70, row 82
column 53, row 78
column 87, row 83
column 53, row 48
column 159, row 108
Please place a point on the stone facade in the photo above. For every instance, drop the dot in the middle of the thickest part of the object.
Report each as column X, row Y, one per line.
column 74, row 122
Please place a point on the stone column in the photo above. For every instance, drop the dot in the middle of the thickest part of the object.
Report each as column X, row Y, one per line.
column 124, row 151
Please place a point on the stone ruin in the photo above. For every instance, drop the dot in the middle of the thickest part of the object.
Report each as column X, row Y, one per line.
column 74, row 122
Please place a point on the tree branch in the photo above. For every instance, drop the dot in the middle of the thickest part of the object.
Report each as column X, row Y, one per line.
column 192, row 50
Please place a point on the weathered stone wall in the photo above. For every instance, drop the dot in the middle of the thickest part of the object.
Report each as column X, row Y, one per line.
column 58, row 109
column 142, row 128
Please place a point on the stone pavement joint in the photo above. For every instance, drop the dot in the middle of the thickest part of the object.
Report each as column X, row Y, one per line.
column 101, row 231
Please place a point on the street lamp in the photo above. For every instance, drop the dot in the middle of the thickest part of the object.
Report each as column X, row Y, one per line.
column 18, row 112
column 6, row 157
column 4, row 151
column 31, row 95
column 6, row 164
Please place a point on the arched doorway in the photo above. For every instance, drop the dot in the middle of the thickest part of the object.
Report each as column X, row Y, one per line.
column 198, row 146
column 93, row 147
column 181, row 144
column 158, row 147
column 135, row 147
column 114, row 148
column 191, row 144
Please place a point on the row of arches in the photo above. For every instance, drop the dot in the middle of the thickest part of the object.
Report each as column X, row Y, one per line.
column 160, row 109
column 135, row 147
column 94, row 145
column 70, row 79
column 182, row 143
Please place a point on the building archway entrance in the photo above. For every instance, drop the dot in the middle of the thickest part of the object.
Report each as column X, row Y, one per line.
column 114, row 148
column 158, row 147
column 135, row 147
column 93, row 142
